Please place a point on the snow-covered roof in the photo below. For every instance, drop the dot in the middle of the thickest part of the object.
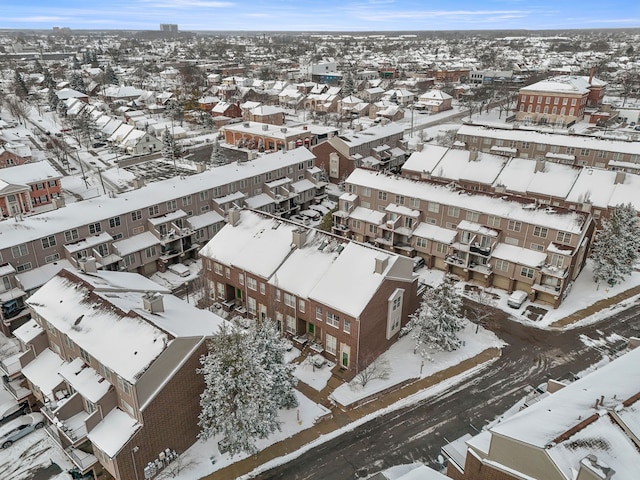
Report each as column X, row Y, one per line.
column 434, row 232
column 84, row 379
column 27, row 331
column 113, row 432
column 29, row 173
column 367, row 215
column 523, row 175
column 103, row 208
column 564, row 84
column 103, row 313
column 519, row 255
column 36, row 277
column 568, row 221
column 136, row 243
column 43, row 371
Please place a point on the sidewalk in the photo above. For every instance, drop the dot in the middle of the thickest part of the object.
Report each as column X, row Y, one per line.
column 340, row 417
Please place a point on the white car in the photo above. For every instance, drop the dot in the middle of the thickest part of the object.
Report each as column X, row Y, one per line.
column 20, row 427
column 320, row 208
column 311, row 214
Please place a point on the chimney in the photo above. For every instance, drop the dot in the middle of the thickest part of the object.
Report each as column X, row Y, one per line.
column 234, row 216
column 58, row 202
column 419, row 146
column 473, row 155
column 540, row 164
column 152, row 302
column 88, row 265
column 201, row 167
column 620, row 176
column 381, row 264
column 265, row 127
column 138, row 182
column 592, row 71
column 299, row 237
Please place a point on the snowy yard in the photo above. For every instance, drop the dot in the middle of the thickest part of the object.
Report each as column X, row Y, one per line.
column 34, row 452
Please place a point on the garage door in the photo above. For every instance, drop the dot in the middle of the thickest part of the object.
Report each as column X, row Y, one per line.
column 501, row 282
column 525, row 287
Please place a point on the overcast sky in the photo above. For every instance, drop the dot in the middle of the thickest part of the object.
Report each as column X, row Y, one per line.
column 304, row 15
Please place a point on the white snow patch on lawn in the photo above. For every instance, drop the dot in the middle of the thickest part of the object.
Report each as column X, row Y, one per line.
column 31, row 452
column 315, row 377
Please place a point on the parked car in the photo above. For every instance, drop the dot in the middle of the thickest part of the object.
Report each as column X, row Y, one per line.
column 20, row 427
column 180, row 270
column 418, row 263
column 517, row 298
column 312, row 214
column 98, row 144
column 299, row 219
column 320, row 209
column 10, row 408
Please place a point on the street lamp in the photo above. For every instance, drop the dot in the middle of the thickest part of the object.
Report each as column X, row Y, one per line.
column 135, row 468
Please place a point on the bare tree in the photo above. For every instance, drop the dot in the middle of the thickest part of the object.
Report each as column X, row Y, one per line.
column 483, row 307
column 378, row 369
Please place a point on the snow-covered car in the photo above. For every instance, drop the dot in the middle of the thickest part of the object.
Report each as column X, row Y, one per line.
column 299, row 219
column 516, row 299
column 180, row 270
column 20, row 427
column 320, row 209
column 10, row 408
column 311, row 214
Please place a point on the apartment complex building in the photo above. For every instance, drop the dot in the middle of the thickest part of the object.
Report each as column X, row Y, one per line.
column 578, row 150
column 159, row 224
column 559, row 100
column 586, row 430
column 586, row 189
column 511, row 243
column 331, row 296
column 107, row 356
column 379, row 147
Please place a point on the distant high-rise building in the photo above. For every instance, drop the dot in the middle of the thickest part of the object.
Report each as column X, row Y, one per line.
column 169, row 27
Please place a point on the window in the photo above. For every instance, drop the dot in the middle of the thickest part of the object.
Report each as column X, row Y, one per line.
column 557, row 260
column 502, row 265
column 441, row 248
column 290, row 324
column 19, row 250
column 129, row 259
column 540, row 232
column 366, row 191
column 251, row 305
column 227, row 272
column 537, row 247
column 85, row 356
column 493, row 221
column 71, row 235
column 52, row 258
column 318, row 313
column 571, row 150
column 204, row 195
column 114, row 222
column 153, row 210
column 473, row 216
column 252, row 283
column 382, row 195
column 331, row 344
column 526, row 272
column 453, row 212
column 24, row 267
column 124, row 385
column 301, row 305
column 186, row 201
column 511, row 241
column 421, row 242
column 171, row 205
column 289, row 300
column 433, row 207
column 150, row 251
column 346, row 325
column 49, row 241
column 278, row 295
column 95, row 228
column 514, row 226
column 400, row 199
column 333, row 320
column 356, row 224
column 241, row 278
column 414, row 203
column 396, row 304
column 563, row 237
column 262, row 288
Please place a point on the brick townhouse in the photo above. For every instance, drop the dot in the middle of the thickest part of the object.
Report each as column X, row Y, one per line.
column 148, row 229
column 585, row 430
column 25, row 189
column 331, row 296
column 511, row 243
column 110, row 360
column 577, row 150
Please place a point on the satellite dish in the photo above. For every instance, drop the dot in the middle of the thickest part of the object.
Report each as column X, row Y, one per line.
column 440, row 459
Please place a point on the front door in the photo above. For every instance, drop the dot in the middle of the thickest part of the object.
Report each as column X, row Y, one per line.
column 344, row 360
column 312, row 328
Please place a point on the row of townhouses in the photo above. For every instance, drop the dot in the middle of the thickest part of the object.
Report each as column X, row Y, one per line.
column 589, row 189
column 110, row 359
column 148, row 229
column 578, row 150
column 508, row 242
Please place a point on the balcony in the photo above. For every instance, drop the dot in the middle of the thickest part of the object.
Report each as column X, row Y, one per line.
column 478, row 249
column 555, row 272
column 17, row 388
column 455, row 261
column 385, row 240
column 11, row 366
column 81, row 459
column 551, row 289
column 481, row 268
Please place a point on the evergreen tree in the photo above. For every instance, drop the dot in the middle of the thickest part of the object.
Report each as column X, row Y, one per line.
column 48, row 82
column 37, row 66
column 241, row 399
column 436, row 323
column 76, row 82
column 170, row 148
column 615, row 249
column 76, row 63
column 20, row 87
column 52, row 100
column 217, row 155
column 110, row 76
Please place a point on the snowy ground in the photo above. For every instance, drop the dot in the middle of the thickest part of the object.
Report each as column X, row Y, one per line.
column 313, row 376
column 30, row 453
column 405, row 365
